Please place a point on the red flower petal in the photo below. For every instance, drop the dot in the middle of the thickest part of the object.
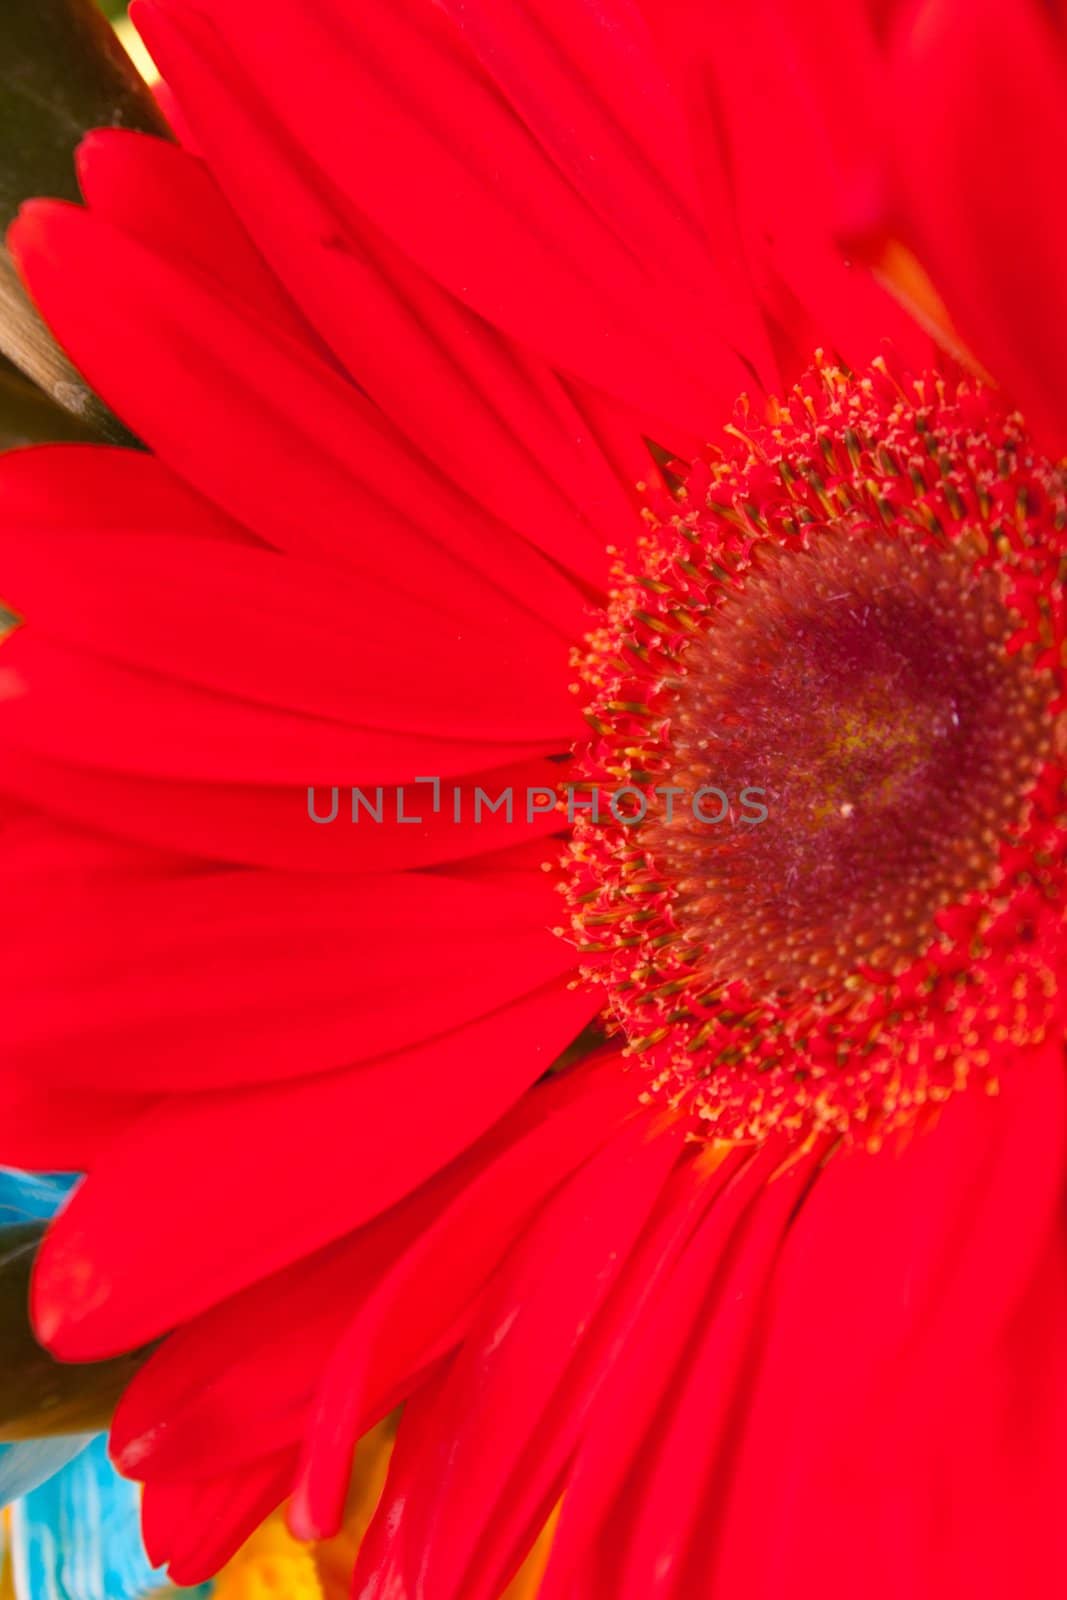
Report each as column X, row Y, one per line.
column 488, row 413
column 238, row 1381
column 332, row 480
column 207, row 980
column 901, row 1270
column 513, row 1359
column 113, row 491
column 166, row 197
column 68, row 706
column 647, row 1544
column 442, row 186
column 268, row 825
column 972, row 184
column 586, row 79
column 802, row 163
column 200, row 1523
column 71, row 1132
column 643, row 1375
column 100, row 1288
column 457, row 1249
column 254, row 625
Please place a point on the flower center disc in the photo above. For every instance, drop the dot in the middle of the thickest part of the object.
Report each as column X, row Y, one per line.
column 833, row 679
column 865, row 688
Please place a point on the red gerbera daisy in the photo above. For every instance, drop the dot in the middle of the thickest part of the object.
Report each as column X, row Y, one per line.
column 688, row 1156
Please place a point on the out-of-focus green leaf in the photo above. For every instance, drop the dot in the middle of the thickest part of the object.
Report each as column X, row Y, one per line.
column 62, row 72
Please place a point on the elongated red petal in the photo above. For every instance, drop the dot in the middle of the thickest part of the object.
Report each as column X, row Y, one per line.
column 197, row 1525
column 548, row 272
column 238, row 1381
column 114, row 492
column 99, row 1288
column 267, row 824
column 516, row 1354
column 968, row 184
column 643, row 1375
column 231, row 388
column 257, row 626
column 915, row 1260
column 167, row 197
column 488, row 412
column 647, row 1543
column 206, row 980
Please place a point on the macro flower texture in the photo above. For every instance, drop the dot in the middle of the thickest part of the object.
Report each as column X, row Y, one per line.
column 536, row 802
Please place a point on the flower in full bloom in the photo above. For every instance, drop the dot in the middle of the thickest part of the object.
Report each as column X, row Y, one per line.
column 637, row 406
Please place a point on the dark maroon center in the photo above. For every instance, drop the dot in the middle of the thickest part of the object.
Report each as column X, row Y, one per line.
column 871, row 691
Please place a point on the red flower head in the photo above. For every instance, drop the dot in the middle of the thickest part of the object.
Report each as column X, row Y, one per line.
column 542, row 795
